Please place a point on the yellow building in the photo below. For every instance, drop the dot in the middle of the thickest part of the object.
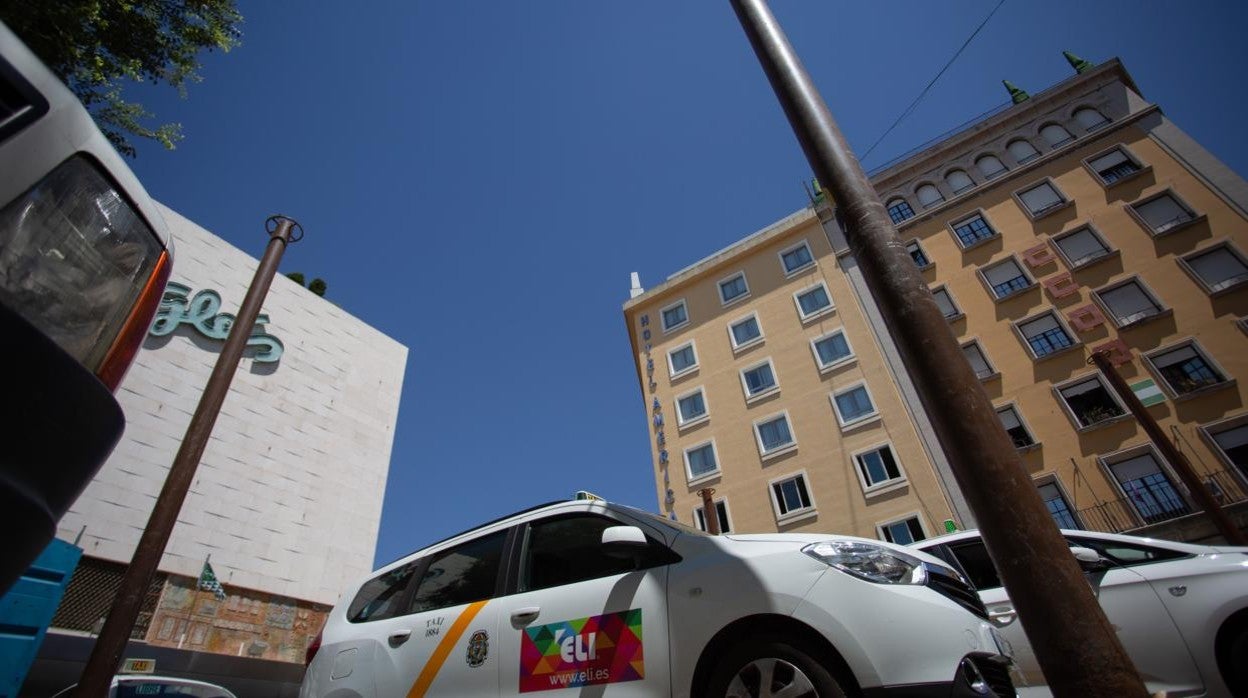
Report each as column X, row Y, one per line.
column 1073, row 220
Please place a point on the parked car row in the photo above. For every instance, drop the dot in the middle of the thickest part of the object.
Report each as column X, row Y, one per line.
column 586, row 593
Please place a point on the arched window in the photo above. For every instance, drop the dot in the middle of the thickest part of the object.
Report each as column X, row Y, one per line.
column 899, row 210
column 1090, row 118
column 959, row 181
column 1056, row 135
column 929, row 196
column 1022, row 151
column 989, row 166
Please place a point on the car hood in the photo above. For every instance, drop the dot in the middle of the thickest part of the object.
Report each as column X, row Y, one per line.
column 799, row 540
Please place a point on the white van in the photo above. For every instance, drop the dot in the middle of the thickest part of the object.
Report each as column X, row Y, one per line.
column 613, row 601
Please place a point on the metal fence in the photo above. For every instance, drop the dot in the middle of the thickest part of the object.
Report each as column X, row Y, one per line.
column 1143, row 509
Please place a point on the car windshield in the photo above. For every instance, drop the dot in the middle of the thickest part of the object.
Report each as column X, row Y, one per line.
column 669, row 524
column 164, row 687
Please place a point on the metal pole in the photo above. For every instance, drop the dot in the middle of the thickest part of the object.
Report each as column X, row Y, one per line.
column 111, row 643
column 1169, row 451
column 1072, row 640
column 708, row 511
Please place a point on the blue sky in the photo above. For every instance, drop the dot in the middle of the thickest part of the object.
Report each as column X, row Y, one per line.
column 477, row 180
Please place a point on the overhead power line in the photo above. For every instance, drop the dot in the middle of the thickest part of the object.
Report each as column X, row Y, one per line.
column 923, row 94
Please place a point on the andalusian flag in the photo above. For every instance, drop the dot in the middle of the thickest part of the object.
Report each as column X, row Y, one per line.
column 208, row 582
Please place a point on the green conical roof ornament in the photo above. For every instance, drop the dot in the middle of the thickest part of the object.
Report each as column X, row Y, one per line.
column 1019, row 96
column 1081, row 66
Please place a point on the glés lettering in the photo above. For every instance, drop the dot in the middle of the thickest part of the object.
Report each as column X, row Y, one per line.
column 579, row 647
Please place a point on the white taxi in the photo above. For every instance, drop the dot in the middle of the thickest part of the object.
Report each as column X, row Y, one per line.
column 611, row 601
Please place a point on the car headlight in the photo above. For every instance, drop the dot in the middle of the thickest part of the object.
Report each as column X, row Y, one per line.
column 874, row 563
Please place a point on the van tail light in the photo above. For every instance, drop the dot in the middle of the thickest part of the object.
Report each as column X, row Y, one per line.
column 310, row 653
column 126, row 344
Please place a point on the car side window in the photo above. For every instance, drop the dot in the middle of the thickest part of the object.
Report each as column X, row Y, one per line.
column 379, row 598
column 973, row 556
column 1127, row 554
column 568, row 549
column 465, row 573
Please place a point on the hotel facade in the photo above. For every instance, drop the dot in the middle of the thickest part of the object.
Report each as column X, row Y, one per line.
column 1076, row 220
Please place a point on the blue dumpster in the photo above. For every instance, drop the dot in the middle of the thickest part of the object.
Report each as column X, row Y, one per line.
column 27, row 610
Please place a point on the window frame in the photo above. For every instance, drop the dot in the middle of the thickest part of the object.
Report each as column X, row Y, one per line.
column 982, row 273
column 732, row 337
column 1070, row 137
column 1108, row 460
column 791, row 516
column 1184, row 262
column 918, row 245
column 992, row 369
column 958, row 191
column 1209, row 433
column 1070, row 412
column 1194, row 216
column 944, row 288
column 726, row 518
column 690, row 478
column 881, row 526
column 843, row 361
column 745, row 388
column 789, row 273
column 719, row 287
column 829, row 308
column 1053, row 479
column 1066, row 201
column 1132, row 320
column 1074, row 265
column 1036, row 154
column 969, row 218
column 894, row 202
column 681, row 422
column 935, row 188
column 790, row 447
column 987, row 177
column 1075, row 342
column 672, row 373
column 1105, row 120
column 884, row 486
column 663, row 316
column 868, row 418
column 1141, row 167
column 1012, row 406
column 1227, row 380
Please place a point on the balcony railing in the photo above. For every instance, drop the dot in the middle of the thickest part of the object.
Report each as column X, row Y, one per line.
column 1119, row 515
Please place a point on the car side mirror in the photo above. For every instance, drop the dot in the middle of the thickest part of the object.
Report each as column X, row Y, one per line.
column 1089, row 560
column 623, row 541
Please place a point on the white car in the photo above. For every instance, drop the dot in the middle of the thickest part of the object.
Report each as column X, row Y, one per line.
column 625, row 603
column 1181, row 610
column 141, row 686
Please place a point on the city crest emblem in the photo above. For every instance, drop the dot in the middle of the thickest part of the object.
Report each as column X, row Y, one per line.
column 478, row 648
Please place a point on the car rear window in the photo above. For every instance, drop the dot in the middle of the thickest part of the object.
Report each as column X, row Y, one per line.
column 463, row 574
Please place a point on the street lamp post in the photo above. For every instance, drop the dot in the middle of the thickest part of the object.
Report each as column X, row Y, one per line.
column 1074, row 643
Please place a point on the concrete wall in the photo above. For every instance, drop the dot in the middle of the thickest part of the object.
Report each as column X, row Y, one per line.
column 288, row 496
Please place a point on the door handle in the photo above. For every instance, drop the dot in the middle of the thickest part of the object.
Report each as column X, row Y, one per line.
column 523, row 616
column 1003, row 617
column 399, row 637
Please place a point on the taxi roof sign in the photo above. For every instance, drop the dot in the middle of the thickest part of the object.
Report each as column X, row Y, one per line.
column 138, row 666
column 582, row 495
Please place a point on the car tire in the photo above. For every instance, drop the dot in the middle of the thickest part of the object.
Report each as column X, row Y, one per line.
column 1233, row 661
column 761, row 667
